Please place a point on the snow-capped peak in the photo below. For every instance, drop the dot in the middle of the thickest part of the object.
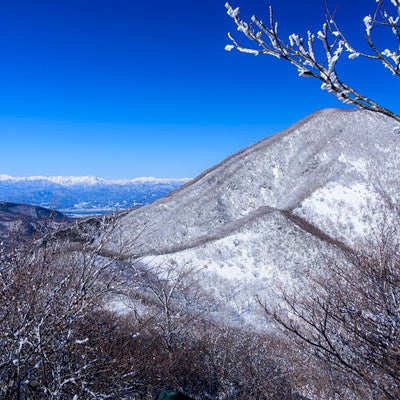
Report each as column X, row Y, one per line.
column 90, row 180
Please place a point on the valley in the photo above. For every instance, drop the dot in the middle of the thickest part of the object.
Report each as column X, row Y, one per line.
column 82, row 196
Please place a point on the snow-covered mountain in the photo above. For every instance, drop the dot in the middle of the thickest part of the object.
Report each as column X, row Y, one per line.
column 331, row 169
column 270, row 215
column 85, row 195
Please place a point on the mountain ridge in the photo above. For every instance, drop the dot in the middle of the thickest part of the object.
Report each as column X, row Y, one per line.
column 272, row 216
column 88, row 180
column 24, row 220
column 283, row 172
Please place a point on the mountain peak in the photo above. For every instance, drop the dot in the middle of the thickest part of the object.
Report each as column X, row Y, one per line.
column 333, row 153
column 269, row 217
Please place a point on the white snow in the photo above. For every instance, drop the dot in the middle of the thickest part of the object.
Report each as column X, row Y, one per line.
column 89, row 180
column 345, row 212
column 271, row 215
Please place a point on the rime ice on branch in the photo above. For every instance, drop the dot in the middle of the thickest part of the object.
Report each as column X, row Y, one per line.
column 302, row 52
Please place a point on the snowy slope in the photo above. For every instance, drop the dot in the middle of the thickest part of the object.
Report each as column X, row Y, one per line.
column 336, row 169
column 85, row 195
column 274, row 214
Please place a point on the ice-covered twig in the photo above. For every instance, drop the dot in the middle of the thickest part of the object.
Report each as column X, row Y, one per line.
column 322, row 63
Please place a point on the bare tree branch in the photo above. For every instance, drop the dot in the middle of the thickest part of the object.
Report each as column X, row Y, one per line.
column 305, row 56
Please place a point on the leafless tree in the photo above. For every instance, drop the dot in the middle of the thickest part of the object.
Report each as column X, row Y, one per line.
column 172, row 295
column 59, row 339
column 178, row 345
column 350, row 323
column 48, row 296
column 321, row 63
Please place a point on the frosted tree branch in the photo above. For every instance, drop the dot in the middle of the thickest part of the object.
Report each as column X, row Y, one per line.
column 310, row 61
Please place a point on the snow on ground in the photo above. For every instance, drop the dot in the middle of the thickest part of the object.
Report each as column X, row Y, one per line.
column 346, row 212
column 235, row 221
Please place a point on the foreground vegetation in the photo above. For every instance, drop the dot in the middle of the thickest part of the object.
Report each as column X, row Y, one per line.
column 59, row 340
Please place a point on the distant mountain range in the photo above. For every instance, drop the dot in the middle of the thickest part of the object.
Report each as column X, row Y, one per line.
column 79, row 196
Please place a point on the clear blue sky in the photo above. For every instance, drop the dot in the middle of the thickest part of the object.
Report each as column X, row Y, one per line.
column 127, row 88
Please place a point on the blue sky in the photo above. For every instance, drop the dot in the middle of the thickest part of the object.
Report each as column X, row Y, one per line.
column 122, row 88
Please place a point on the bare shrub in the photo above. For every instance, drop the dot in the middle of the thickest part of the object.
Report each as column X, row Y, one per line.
column 47, row 295
column 350, row 324
column 58, row 340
